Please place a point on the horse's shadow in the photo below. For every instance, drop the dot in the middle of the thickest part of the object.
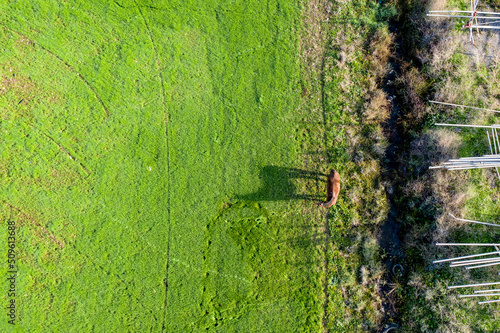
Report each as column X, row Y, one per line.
column 277, row 184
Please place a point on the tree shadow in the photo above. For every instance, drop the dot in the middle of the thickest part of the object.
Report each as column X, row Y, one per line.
column 277, row 184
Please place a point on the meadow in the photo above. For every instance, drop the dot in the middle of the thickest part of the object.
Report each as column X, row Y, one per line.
column 161, row 161
column 140, row 125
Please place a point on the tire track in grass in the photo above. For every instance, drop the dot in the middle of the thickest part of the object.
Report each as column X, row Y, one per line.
column 166, row 119
column 71, row 68
column 313, row 42
column 176, row 260
column 325, row 262
column 329, row 160
column 51, row 235
column 60, row 147
column 137, row 234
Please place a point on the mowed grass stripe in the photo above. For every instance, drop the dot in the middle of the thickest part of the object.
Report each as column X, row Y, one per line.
column 67, row 65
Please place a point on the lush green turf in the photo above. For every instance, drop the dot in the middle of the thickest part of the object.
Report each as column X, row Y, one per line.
column 147, row 167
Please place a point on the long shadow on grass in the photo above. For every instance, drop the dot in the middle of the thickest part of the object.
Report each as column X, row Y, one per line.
column 277, row 184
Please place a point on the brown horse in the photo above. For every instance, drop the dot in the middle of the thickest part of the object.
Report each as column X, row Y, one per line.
column 332, row 189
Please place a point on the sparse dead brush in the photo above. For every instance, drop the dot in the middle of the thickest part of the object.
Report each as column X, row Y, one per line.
column 456, row 72
column 417, row 283
column 365, row 276
column 346, row 54
column 436, row 188
column 376, row 109
column 446, row 143
column 417, row 188
column 437, row 5
column 379, row 142
column 449, row 187
column 441, row 53
column 381, row 49
column 415, row 87
column 433, row 147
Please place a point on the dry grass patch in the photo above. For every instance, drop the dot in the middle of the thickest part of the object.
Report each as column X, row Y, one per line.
column 415, row 87
column 376, row 109
column 381, row 49
column 433, row 148
column 453, row 72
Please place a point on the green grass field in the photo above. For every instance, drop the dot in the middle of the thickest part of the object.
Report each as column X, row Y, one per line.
column 135, row 167
column 160, row 161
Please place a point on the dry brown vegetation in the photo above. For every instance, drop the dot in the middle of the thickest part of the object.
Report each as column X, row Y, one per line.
column 440, row 187
column 381, row 49
column 377, row 107
column 344, row 108
column 456, row 73
column 448, row 69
